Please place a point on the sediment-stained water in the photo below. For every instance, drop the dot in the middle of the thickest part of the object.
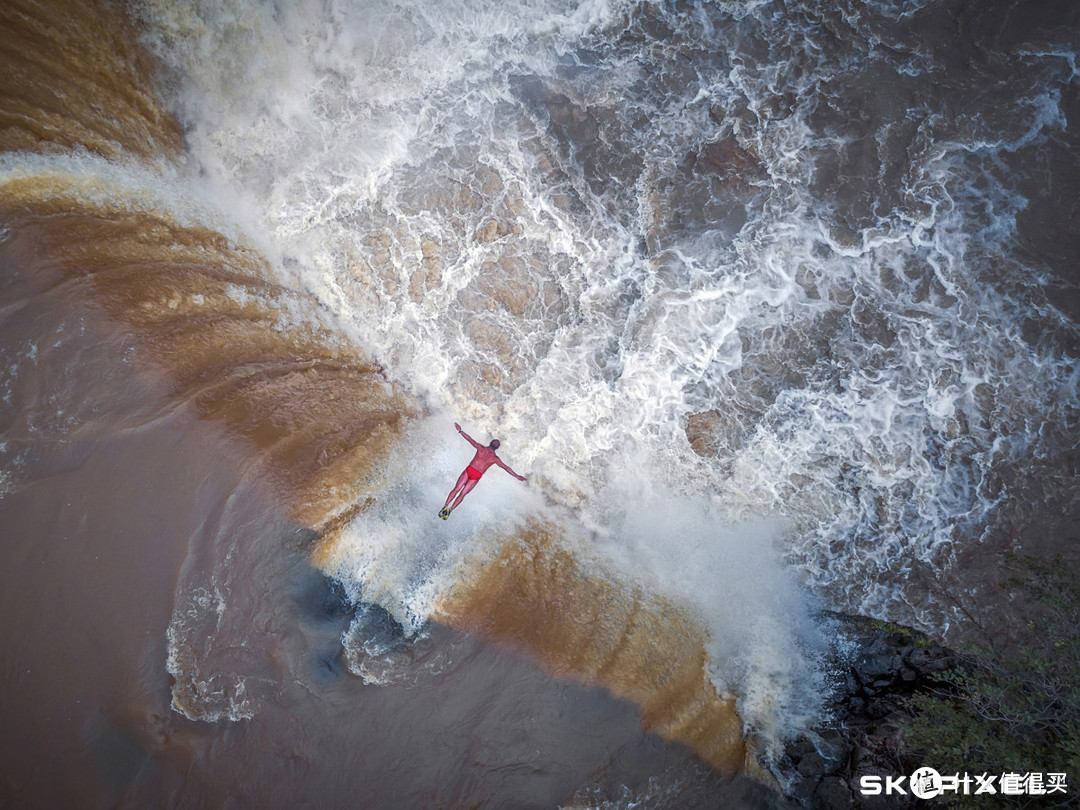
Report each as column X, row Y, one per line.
column 774, row 303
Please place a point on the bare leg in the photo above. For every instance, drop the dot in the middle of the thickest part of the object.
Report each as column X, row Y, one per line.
column 462, row 480
column 469, row 484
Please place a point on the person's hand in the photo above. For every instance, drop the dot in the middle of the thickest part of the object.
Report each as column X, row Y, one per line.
column 522, row 478
column 456, row 425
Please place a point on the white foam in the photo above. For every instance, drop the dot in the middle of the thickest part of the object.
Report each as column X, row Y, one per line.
column 399, row 554
column 765, row 644
column 865, row 376
column 130, row 185
column 204, row 689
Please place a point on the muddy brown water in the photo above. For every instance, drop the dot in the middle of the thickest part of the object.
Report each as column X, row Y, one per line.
column 158, row 418
column 178, row 421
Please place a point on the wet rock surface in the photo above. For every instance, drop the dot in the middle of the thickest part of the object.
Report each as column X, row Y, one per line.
column 877, row 669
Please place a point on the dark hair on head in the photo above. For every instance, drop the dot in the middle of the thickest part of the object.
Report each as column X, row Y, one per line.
column 494, row 444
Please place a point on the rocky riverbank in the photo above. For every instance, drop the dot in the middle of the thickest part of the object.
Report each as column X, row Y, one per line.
column 878, row 667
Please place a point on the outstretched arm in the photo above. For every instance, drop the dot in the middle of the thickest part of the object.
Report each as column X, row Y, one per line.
column 468, row 438
column 499, row 461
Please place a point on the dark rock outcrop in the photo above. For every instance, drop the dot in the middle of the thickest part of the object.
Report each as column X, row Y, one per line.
column 876, row 671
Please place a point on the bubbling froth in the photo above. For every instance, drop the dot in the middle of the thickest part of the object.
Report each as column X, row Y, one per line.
column 686, row 257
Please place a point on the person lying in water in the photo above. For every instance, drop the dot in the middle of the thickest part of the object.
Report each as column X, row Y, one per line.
column 484, row 458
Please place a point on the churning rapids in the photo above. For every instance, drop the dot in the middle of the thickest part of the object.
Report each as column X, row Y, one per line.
column 774, row 303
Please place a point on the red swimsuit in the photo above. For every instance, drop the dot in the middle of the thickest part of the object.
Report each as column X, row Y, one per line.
column 473, row 473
